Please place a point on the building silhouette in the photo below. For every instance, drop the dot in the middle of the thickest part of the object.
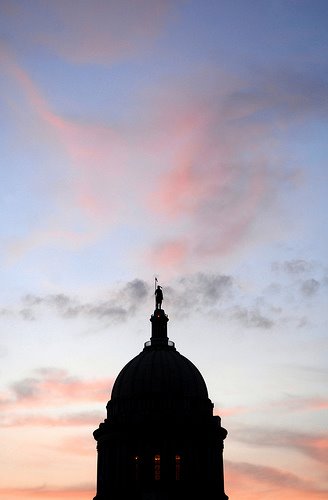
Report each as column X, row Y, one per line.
column 160, row 439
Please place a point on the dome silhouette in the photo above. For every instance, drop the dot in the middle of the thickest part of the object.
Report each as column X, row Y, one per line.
column 161, row 380
column 160, row 440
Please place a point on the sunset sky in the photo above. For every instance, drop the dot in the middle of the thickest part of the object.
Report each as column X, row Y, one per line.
column 183, row 139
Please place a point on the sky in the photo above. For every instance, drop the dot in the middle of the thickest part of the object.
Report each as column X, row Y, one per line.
column 181, row 139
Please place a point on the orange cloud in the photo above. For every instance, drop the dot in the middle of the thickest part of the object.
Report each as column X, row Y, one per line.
column 79, row 445
column 82, row 492
column 314, row 446
column 255, row 482
column 90, row 418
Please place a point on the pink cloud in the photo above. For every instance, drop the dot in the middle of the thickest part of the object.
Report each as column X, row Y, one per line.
column 52, row 387
column 302, row 404
column 181, row 188
column 91, row 418
column 255, row 482
column 314, row 446
column 81, row 492
column 170, row 253
column 214, row 177
column 226, row 165
column 94, row 150
column 230, row 412
column 78, row 445
column 92, row 160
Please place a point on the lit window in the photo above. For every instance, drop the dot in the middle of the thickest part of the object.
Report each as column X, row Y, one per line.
column 136, row 460
column 177, row 467
column 157, row 467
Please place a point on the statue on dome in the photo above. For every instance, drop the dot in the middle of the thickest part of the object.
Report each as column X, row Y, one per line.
column 158, row 297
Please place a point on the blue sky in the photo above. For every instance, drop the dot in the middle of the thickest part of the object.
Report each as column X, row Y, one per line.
column 178, row 139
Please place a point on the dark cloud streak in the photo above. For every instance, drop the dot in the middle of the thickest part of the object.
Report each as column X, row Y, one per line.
column 199, row 291
column 252, row 318
column 313, row 445
column 215, row 293
column 294, row 266
column 310, row 287
column 117, row 307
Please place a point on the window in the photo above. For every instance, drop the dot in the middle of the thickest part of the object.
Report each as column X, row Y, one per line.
column 157, row 467
column 136, row 460
column 177, row 467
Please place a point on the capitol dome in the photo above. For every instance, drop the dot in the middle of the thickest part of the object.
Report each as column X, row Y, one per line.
column 160, row 440
column 159, row 381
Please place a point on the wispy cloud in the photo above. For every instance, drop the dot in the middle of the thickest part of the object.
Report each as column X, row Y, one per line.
column 51, row 387
column 224, row 171
column 307, row 278
column 249, row 480
column 230, row 412
column 90, row 156
column 121, row 303
column 310, row 287
column 252, row 318
column 87, row 418
column 296, row 403
column 219, row 293
column 199, row 291
column 312, row 445
column 102, row 33
column 77, row 445
column 215, row 187
column 294, row 266
column 80, row 491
